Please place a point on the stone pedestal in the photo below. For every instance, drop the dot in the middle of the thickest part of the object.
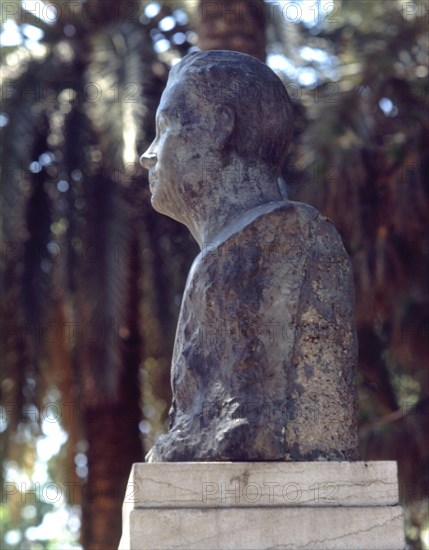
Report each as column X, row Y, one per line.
column 262, row 505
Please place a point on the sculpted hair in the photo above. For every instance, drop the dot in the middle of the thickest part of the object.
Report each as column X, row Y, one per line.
column 263, row 109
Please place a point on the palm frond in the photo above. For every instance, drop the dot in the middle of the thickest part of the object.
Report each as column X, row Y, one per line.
column 121, row 74
column 113, row 132
column 25, row 232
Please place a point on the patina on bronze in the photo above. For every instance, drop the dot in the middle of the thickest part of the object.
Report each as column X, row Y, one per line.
column 264, row 359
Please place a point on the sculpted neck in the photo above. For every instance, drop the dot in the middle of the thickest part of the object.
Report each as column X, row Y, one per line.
column 228, row 194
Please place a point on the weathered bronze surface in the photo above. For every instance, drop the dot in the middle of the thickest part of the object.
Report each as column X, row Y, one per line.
column 265, row 353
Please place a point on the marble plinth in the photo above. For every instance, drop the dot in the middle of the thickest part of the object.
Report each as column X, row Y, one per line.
column 263, row 505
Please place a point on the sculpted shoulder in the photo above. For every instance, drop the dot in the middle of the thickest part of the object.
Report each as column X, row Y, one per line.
column 311, row 225
column 298, row 219
column 278, row 224
column 305, row 216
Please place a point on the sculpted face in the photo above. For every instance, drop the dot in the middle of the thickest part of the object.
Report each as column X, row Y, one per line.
column 175, row 158
column 220, row 143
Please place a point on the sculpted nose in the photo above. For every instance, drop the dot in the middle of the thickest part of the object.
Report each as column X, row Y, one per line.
column 148, row 159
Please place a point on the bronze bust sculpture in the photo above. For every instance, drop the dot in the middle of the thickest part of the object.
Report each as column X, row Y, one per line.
column 265, row 353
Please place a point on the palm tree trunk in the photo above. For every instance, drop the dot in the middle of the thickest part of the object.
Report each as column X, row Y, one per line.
column 233, row 25
column 113, row 438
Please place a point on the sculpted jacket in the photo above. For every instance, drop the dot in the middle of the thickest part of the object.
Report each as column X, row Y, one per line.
column 265, row 353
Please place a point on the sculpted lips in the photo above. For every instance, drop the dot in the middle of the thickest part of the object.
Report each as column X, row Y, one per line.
column 152, row 181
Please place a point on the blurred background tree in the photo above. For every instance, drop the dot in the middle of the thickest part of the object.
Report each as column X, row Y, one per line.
column 82, row 246
column 92, row 277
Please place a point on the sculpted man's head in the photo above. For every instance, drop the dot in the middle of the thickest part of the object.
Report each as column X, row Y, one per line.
column 224, row 126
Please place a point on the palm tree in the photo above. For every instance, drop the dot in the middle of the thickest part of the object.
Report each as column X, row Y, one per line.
column 83, row 245
column 233, row 25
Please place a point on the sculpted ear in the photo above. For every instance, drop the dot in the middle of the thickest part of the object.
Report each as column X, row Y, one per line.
column 224, row 125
